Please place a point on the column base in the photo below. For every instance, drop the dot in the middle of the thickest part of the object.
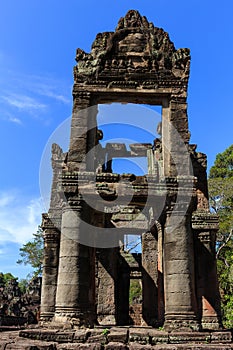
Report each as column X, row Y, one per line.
column 46, row 316
column 211, row 323
column 181, row 323
column 74, row 317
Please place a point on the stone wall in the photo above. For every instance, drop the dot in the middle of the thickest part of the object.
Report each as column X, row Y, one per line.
column 17, row 308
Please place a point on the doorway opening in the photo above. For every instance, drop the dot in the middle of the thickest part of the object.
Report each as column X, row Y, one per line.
column 128, row 132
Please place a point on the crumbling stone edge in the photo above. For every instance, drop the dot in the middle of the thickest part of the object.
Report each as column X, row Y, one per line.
column 106, row 337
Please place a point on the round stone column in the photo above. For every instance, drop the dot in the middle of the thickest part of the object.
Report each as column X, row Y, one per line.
column 179, row 278
column 50, row 268
column 74, row 299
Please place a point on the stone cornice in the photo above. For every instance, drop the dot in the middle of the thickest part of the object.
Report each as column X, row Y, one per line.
column 202, row 220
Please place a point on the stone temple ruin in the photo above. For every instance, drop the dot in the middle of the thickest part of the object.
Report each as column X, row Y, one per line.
column 86, row 275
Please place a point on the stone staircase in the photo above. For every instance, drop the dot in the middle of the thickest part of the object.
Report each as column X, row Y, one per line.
column 115, row 338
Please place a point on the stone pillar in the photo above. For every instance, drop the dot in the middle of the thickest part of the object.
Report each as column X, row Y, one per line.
column 76, row 278
column 160, row 276
column 179, row 283
column 151, row 162
column 122, row 292
column 50, row 269
column 207, row 281
column 83, row 136
column 211, row 313
column 150, row 278
column 175, row 136
column 106, row 285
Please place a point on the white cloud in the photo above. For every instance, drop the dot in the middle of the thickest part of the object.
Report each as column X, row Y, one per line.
column 25, row 94
column 48, row 87
column 15, row 120
column 5, row 199
column 41, row 85
column 6, row 116
column 23, row 102
column 19, row 217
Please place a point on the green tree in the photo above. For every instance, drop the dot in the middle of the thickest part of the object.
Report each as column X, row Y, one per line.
column 6, row 277
column 221, row 201
column 32, row 253
column 135, row 290
column 23, row 284
column 223, row 165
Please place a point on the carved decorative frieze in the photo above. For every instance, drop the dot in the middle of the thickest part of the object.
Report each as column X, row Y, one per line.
column 137, row 48
column 74, row 202
column 47, row 223
column 202, row 220
column 103, row 183
column 51, row 232
column 83, row 95
column 58, row 157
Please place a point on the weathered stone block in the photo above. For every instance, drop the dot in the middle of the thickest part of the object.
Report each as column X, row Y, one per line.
column 167, row 347
column 187, row 337
column 29, row 345
column 137, row 346
column 106, row 319
column 32, row 334
column 177, row 283
column 199, row 347
column 138, row 335
column 97, row 338
column 96, row 331
column 95, row 346
column 64, row 337
column 3, row 345
column 46, row 335
column 118, row 335
column 116, row 345
column 179, row 255
column 158, row 337
column 80, row 336
column 176, row 266
column 221, row 337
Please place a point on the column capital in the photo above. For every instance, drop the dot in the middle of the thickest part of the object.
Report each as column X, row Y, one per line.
column 178, row 209
column 48, row 224
column 73, row 202
column 82, row 99
column 81, row 94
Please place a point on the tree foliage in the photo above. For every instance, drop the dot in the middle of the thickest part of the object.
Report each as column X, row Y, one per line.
column 221, row 202
column 32, row 253
column 135, row 291
column 223, row 165
column 6, row 277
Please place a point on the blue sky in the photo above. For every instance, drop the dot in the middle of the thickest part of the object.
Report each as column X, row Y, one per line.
column 38, row 41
